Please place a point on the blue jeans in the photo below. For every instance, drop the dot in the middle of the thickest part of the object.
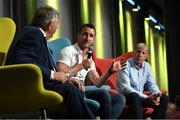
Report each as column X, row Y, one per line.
column 111, row 105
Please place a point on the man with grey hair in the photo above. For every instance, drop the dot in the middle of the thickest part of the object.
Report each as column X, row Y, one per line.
column 31, row 47
column 136, row 77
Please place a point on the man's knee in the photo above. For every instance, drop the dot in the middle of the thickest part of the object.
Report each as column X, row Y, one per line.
column 105, row 94
column 133, row 96
column 70, row 88
column 119, row 98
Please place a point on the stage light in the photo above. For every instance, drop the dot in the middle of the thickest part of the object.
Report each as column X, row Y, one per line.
column 157, row 26
column 153, row 19
column 146, row 15
column 136, row 8
column 162, row 26
column 131, row 2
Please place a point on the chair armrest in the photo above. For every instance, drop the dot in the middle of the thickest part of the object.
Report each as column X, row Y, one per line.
column 93, row 87
column 22, row 89
column 2, row 55
column 164, row 91
column 148, row 92
column 113, row 91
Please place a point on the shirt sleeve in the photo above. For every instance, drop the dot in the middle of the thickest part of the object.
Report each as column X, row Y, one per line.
column 64, row 57
column 52, row 75
column 151, row 83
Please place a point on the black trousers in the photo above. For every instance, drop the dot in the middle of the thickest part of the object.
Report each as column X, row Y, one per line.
column 73, row 100
column 111, row 105
column 136, row 105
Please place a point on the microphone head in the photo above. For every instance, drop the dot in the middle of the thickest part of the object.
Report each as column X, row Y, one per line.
column 90, row 48
column 89, row 52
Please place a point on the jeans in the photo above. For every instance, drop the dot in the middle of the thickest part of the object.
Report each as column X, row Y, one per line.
column 111, row 105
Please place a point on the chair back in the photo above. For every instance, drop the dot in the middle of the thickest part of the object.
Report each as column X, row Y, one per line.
column 7, row 32
column 102, row 65
column 113, row 78
column 58, row 44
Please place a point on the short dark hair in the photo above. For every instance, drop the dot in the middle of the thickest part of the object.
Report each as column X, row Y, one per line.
column 89, row 25
column 44, row 15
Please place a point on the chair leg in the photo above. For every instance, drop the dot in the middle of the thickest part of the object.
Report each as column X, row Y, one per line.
column 43, row 114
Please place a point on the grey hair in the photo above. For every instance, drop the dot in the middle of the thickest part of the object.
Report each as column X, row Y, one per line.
column 140, row 46
column 45, row 15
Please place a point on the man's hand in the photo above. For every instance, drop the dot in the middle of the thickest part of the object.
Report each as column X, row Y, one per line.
column 156, row 98
column 153, row 99
column 86, row 63
column 60, row 76
column 157, row 101
column 76, row 82
column 117, row 65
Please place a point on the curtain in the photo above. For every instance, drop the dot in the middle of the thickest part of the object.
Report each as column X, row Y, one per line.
column 156, row 42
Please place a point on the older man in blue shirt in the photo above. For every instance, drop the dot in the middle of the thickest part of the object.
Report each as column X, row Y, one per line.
column 136, row 77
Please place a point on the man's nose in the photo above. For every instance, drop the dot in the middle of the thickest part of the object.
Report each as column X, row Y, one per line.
column 140, row 53
column 88, row 38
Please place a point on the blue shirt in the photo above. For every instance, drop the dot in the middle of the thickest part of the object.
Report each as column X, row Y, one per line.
column 131, row 79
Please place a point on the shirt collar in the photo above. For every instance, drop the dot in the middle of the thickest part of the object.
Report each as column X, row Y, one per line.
column 78, row 48
column 134, row 64
column 44, row 34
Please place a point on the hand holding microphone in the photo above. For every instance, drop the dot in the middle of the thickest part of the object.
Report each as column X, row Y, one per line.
column 156, row 98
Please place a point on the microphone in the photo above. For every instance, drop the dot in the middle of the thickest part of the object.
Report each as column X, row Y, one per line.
column 89, row 54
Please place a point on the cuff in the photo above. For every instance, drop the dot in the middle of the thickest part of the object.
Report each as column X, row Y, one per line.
column 52, row 75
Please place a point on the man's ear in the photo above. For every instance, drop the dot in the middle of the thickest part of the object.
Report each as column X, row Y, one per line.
column 49, row 26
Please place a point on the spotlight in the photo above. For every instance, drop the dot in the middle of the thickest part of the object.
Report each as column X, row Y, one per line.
column 153, row 19
column 136, row 8
column 157, row 26
column 162, row 26
column 146, row 15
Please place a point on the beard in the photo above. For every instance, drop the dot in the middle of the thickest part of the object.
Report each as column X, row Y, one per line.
column 86, row 45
